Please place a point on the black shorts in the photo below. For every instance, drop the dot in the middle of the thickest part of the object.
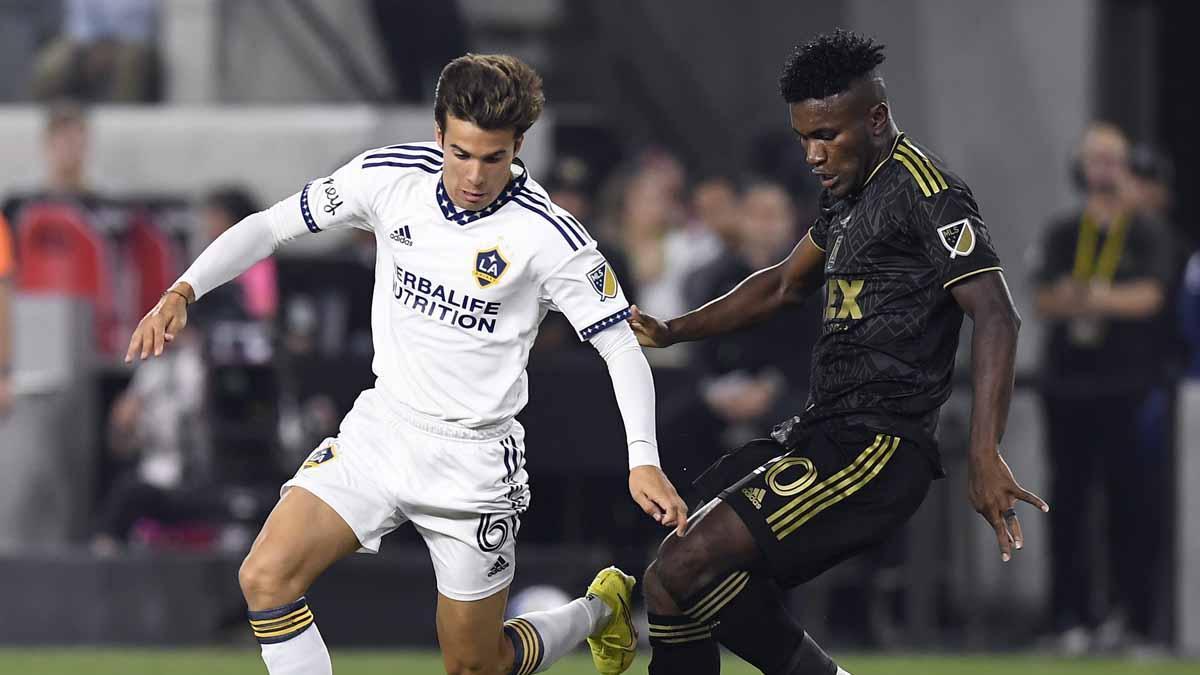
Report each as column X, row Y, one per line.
column 840, row 491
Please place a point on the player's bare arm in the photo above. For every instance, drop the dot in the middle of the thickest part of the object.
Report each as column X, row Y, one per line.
column 757, row 297
column 162, row 323
column 992, row 489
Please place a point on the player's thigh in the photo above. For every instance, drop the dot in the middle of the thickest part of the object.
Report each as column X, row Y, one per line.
column 836, row 494
column 301, row 538
column 471, row 634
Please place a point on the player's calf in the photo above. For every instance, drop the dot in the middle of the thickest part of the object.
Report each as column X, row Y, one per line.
column 708, row 586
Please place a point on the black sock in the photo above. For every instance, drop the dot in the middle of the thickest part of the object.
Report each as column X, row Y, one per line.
column 681, row 645
column 747, row 615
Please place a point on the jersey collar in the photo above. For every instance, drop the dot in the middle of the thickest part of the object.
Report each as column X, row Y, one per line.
column 465, row 217
column 885, row 160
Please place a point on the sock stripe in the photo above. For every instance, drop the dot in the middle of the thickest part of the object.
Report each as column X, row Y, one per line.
column 672, row 630
column 732, row 585
column 265, row 623
column 531, row 643
column 295, row 628
column 682, row 633
column 281, row 623
column 681, row 640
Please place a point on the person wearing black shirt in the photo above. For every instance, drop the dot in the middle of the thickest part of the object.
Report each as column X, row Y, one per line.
column 903, row 254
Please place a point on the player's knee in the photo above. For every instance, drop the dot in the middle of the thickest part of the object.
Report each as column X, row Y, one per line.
column 683, row 568
column 658, row 600
column 266, row 583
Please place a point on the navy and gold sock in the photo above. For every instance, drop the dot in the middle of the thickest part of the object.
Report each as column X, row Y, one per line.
column 282, row 623
column 682, row 645
column 527, row 646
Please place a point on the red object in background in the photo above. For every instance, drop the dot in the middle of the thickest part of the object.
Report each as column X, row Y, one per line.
column 59, row 253
column 153, row 263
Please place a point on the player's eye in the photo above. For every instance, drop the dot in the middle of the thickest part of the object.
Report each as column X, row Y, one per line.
column 462, row 155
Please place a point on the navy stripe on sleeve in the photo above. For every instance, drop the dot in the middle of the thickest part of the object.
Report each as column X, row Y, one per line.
column 606, row 322
column 407, row 165
column 306, row 212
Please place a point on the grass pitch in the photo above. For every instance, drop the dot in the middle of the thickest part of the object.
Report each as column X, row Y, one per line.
column 103, row 661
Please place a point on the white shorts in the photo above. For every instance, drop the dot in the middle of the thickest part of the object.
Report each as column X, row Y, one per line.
column 463, row 489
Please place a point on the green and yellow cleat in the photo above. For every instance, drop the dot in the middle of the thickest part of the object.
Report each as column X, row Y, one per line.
column 614, row 646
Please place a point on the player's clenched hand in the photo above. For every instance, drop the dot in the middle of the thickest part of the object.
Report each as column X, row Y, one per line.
column 657, row 497
column 160, row 326
column 650, row 331
column 994, row 493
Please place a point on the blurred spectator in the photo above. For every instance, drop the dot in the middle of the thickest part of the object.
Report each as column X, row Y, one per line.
column 1101, row 285
column 755, row 377
column 107, row 52
column 257, row 289
column 65, row 146
column 157, row 423
column 6, row 329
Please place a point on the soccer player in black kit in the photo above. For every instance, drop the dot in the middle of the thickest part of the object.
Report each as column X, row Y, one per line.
column 903, row 254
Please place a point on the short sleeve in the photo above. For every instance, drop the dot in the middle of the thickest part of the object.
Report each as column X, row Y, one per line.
column 585, row 289
column 332, row 202
column 955, row 237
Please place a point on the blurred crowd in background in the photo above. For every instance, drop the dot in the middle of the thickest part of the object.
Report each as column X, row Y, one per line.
column 195, row 443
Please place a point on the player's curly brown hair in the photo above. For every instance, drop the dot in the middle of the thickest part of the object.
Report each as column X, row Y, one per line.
column 492, row 91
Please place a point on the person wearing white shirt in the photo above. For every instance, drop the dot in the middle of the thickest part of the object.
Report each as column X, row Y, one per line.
column 471, row 255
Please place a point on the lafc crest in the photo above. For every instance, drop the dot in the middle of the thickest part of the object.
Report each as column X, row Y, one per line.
column 603, row 281
column 958, row 237
column 489, row 266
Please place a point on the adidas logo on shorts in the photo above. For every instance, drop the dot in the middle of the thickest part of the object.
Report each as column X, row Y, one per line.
column 755, row 495
column 497, row 567
column 402, row 235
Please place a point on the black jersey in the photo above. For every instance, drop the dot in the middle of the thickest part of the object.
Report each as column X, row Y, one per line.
column 890, row 330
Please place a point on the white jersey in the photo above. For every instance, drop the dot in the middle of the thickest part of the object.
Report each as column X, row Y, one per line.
column 459, row 294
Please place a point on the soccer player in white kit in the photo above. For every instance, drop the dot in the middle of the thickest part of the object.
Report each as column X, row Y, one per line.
column 471, row 254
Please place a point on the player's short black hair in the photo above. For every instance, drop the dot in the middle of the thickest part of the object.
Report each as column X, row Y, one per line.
column 492, row 91
column 236, row 202
column 827, row 65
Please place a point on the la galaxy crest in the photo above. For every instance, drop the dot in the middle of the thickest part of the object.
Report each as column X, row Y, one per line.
column 603, row 281
column 490, row 265
column 958, row 237
column 320, row 456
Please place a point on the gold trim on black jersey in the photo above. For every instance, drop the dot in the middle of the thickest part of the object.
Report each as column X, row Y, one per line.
column 892, row 152
column 960, row 277
column 928, row 178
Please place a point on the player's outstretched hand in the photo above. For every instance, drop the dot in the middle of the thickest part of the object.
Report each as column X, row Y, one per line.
column 650, row 331
column 657, row 497
column 994, row 493
column 160, row 326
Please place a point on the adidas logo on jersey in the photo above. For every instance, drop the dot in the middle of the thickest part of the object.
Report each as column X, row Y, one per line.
column 402, row 235
column 497, row 567
column 755, row 495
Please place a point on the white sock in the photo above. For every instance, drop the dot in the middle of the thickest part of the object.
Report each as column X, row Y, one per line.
column 545, row 637
column 291, row 643
column 842, row 672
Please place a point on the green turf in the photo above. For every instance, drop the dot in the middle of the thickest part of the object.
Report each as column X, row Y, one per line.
column 86, row 661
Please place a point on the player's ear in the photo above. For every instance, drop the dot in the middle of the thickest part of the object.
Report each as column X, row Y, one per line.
column 878, row 118
column 437, row 135
column 517, row 144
